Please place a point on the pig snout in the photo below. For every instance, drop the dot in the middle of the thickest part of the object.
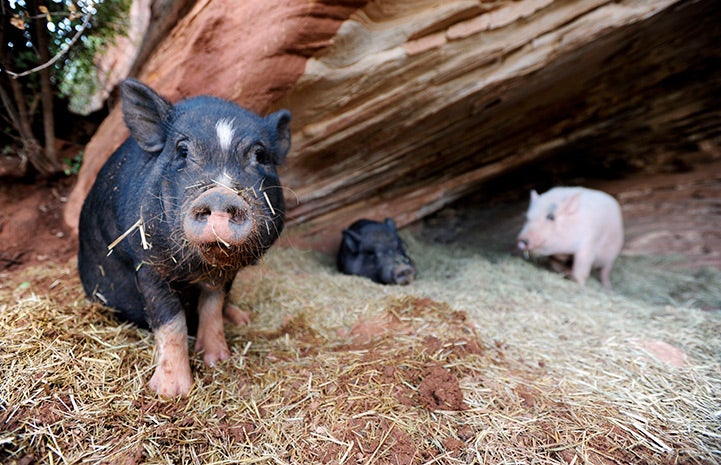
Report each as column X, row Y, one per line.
column 397, row 270
column 218, row 216
column 529, row 239
column 523, row 244
column 403, row 274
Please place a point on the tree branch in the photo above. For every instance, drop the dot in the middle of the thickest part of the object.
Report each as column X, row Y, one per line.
column 12, row 114
column 53, row 60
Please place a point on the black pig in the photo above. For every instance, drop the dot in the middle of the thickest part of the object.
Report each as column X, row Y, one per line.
column 374, row 250
column 190, row 198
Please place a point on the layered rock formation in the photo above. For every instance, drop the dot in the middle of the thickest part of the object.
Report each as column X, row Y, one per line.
column 251, row 52
column 403, row 107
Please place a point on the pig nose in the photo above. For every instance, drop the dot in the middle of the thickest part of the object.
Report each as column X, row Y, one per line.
column 229, row 206
column 404, row 274
column 218, row 216
column 523, row 244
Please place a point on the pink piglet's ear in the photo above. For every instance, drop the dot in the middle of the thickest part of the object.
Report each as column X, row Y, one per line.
column 570, row 205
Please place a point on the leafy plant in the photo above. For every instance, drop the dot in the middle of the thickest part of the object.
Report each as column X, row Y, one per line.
column 47, row 49
column 72, row 165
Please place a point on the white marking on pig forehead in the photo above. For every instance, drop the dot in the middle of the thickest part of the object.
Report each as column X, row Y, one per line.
column 225, row 178
column 225, row 131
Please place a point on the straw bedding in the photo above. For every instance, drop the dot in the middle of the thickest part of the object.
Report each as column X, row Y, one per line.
column 486, row 358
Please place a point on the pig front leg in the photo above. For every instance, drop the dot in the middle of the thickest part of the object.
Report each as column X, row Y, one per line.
column 211, row 336
column 582, row 263
column 561, row 264
column 165, row 314
column 172, row 375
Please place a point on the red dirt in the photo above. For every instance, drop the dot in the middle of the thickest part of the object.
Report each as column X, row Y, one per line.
column 440, row 390
column 32, row 230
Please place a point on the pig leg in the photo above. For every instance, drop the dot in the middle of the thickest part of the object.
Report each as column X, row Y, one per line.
column 235, row 315
column 165, row 314
column 582, row 263
column 606, row 275
column 211, row 336
column 172, row 375
column 561, row 264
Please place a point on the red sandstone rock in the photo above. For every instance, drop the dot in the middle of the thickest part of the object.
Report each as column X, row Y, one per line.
column 400, row 108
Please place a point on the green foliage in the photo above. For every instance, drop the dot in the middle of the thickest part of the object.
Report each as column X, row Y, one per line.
column 74, row 75
column 78, row 79
column 78, row 84
column 72, row 165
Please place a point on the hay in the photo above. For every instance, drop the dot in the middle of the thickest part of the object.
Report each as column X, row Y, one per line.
column 485, row 359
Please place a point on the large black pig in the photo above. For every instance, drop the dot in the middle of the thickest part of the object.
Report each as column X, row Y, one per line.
column 190, row 198
column 374, row 250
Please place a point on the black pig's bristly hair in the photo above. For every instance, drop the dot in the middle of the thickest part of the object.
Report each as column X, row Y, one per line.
column 214, row 262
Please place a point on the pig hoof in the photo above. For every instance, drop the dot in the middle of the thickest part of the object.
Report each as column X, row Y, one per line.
column 235, row 315
column 213, row 352
column 171, row 385
column 213, row 357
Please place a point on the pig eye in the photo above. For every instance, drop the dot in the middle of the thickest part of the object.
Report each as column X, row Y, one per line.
column 550, row 217
column 182, row 149
column 260, row 155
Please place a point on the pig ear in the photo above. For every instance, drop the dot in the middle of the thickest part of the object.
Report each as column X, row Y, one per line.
column 571, row 204
column 146, row 114
column 534, row 195
column 391, row 224
column 351, row 240
column 280, row 122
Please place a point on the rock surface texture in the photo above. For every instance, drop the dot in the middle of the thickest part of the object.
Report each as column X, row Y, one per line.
column 401, row 108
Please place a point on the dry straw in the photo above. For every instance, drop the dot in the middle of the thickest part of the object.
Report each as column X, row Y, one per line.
column 485, row 359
